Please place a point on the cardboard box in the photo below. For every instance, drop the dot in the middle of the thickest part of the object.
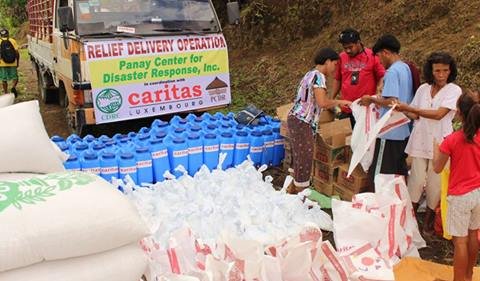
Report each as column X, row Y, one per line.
column 322, row 187
column 330, row 142
column 357, row 182
column 344, row 193
column 324, row 172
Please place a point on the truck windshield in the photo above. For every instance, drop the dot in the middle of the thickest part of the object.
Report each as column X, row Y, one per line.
column 144, row 17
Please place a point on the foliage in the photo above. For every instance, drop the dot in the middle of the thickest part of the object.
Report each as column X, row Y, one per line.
column 12, row 14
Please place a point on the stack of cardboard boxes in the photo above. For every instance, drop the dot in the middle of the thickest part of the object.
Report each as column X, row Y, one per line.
column 332, row 155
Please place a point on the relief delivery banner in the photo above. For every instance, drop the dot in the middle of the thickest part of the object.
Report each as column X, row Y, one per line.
column 138, row 78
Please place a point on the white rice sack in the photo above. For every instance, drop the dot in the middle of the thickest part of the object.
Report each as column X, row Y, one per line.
column 127, row 263
column 63, row 215
column 24, row 144
column 6, row 100
column 236, row 201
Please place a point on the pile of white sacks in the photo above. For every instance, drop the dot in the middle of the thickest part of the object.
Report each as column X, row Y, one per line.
column 232, row 225
column 57, row 225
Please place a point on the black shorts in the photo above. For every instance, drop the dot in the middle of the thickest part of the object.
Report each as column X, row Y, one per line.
column 393, row 158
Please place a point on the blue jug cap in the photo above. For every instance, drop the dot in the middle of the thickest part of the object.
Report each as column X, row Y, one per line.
column 262, row 123
column 226, row 118
column 267, row 132
column 198, row 119
column 89, row 138
column 193, row 136
column 108, row 155
column 242, row 134
column 144, row 130
column 63, row 146
column 196, row 128
column 210, row 136
column 160, row 123
column 240, row 126
column 90, row 155
column 211, row 126
column 124, row 139
column 57, row 139
column 257, row 134
column 132, row 134
column 179, row 130
column 142, row 149
column 126, row 155
column 182, row 121
column 226, row 135
column 155, row 141
column 178, row 140
column 98, row 146
column 81, row 146
column 109, row 143
column 160, row 134
column 143, row 136
column 213, row 118
column 72, row 157
column 225, row 125
column 276, row 130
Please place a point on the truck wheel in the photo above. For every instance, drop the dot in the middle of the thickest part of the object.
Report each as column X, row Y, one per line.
column 46, row 95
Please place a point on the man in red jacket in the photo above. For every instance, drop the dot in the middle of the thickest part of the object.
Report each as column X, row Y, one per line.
column 359, row 71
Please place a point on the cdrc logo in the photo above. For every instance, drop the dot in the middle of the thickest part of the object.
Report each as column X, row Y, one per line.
column 109, row 101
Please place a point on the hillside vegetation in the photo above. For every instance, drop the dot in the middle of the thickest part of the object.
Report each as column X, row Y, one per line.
column 273, row 45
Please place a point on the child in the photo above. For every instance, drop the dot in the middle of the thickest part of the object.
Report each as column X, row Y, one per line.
column 303, row 117
column 463, row 214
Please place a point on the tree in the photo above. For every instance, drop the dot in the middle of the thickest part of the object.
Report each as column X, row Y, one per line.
column 12, row 13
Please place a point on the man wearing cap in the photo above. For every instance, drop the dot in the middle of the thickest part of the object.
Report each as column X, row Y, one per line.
column 359, row 71
column 8, row 71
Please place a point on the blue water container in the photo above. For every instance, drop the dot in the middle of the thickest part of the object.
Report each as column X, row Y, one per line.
column 110, row 144
column 142, row 139
column 211, row 150
column 256, row 147
column 180, row 132
column 268, row 143
column 196, row 129
column 227, row 145
column 58, row 140
column 79, row 148
column 160, row 161
column 278, row 148
column 218, row 115
column 198, row 120
column 191, row 117
column 89, row 138
column 108, row 166
column 159, row 125
column 211, row 129
column 242, row 147
column 226, row 128
column 103, row 138
column 178, row 155
column 132, row 135
column 144, row 165
column 174, row 120
column 72, row 163
column 240, row 127
column 182, row 122
column 97, row 146
column 117, row 137
column 195, row 153
column 275, row 123
column 90, row 162
column 73, row 138
column 127, row 165
column 144, row 130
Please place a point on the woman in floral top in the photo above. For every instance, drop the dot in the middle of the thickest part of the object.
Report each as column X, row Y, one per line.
column 303, row 117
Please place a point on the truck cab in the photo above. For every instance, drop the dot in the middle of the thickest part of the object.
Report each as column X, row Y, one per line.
column 112, row 60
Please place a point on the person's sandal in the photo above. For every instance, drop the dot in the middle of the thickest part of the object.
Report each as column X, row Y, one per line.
column 14, row 91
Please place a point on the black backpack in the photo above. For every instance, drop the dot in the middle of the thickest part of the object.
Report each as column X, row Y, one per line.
column 7, row 51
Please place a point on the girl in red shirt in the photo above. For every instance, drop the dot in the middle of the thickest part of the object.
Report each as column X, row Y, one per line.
column 463, row 214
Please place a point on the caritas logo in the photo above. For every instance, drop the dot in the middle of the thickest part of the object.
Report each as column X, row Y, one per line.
column 167, row 93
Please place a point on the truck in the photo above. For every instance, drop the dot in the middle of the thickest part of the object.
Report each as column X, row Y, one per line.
column 107, row 61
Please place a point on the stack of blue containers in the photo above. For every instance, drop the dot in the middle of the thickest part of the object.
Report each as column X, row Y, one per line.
column 191, row 142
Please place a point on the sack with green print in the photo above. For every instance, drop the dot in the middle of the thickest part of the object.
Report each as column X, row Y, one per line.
column 63, row 215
